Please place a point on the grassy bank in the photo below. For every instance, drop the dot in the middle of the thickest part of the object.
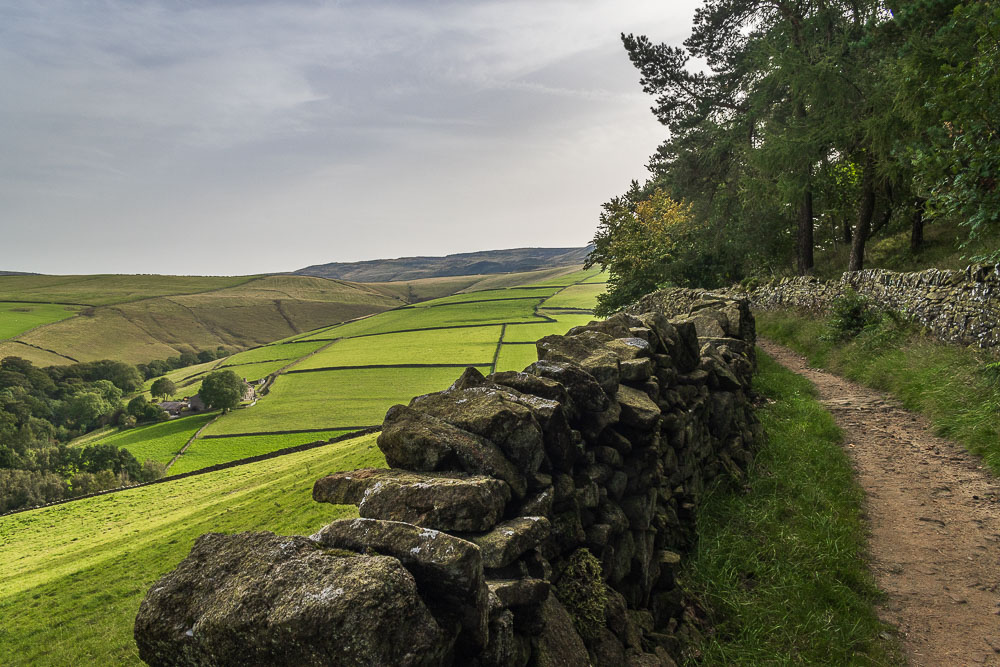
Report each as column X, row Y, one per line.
column 953, row 386
column 72, row 576
column 781, row 563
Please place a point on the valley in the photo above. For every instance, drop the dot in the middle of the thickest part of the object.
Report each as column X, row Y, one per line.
column 73, row 574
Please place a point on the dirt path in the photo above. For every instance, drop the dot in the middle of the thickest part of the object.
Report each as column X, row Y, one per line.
column 934, row 515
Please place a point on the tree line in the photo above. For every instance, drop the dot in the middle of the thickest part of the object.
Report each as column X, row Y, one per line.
column 43, row 409
column 798, row 124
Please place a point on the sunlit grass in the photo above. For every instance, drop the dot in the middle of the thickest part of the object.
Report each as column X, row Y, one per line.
column 949, row 384
column 781, row 562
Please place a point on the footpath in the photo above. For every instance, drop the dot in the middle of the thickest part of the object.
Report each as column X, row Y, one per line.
column 934, row 516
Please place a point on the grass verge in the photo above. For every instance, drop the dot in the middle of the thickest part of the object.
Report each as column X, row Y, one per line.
column 953, row 386
column 781, row 564
column 72, row 576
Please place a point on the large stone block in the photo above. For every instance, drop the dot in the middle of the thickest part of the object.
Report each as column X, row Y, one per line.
column 448, row 570
column 586, row 392
column 418, row 441
column 511, row 539
column 589, row 350
column 453, row 501
column 496, row 415
column 264, row 599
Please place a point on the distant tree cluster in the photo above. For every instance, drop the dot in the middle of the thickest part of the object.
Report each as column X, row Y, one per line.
column 814, row 124
column 41, row 409
column 159, row 367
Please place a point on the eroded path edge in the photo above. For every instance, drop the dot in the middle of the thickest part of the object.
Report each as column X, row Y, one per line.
column 934, row 515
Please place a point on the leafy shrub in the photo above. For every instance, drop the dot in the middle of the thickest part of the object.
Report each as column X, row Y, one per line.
column 850, row 314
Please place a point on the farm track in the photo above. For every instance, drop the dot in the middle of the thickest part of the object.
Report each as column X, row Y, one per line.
column 934, row 518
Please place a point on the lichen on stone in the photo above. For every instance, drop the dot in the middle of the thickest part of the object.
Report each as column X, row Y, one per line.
column 581, row 591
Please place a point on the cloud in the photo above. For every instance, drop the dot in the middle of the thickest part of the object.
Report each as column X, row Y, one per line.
column 120, row 119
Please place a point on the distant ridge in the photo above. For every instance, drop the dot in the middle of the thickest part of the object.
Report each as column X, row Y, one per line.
column 461, row 264
column 18, row 273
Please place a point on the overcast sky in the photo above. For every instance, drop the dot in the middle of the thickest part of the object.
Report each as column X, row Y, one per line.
column 236, row 137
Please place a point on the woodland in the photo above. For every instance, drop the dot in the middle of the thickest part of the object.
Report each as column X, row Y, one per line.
column 800, row 133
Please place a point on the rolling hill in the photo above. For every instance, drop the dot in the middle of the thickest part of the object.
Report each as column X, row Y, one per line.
column 72, row 575
column 140, row 318
column 342, row 378
column 52, row 320
column 514, row 260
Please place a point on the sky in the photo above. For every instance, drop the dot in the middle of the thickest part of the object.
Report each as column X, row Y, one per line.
column 235, row 137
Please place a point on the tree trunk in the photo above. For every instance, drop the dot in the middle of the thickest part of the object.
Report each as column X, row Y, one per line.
column 865, row 214
column 883, row 220
column 805, row 234
column 917, row 227
column 847, row 232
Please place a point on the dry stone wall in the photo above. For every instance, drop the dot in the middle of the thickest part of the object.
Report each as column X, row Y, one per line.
column 955, row 306
column 527, row 518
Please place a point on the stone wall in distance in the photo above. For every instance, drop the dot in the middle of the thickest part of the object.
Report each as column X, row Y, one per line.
column 961, row 307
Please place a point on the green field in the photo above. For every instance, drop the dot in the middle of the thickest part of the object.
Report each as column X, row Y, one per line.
column 529, row 333
column 69, row 596
column 458, row 329
column 474, row 345
column 491, row 295
column 211, row 451
column 186, row 379
column 591, row 275
column 462, row 314
column 258, row 371
column 16, row 318
column 516, row 357
column 273, row 352
column 306, row 396
column 575, row 296
column 159, row 442
column 145, row 324
column 334, row 399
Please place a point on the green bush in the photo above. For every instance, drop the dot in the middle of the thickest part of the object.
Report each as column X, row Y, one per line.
column 850, row 314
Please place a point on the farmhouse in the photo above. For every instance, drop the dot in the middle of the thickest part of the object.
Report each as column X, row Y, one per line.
column 187, row 404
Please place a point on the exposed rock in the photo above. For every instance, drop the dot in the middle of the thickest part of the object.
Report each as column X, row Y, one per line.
column 492, row 414
column 526, row 592
column 453, row 501
column 470, row 377
column 535, row 385
column 509, row 540
column 637, row 370
column 417, row 441
column 447, row 569
column 638, row 410
column 581, row 386
column 589, row 350
column 559, row 645
column 259, row 598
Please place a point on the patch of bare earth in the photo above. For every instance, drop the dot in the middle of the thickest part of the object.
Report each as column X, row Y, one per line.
column 934, row 514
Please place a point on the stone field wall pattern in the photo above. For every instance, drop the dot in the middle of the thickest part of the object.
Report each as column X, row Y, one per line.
column 526, row 518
